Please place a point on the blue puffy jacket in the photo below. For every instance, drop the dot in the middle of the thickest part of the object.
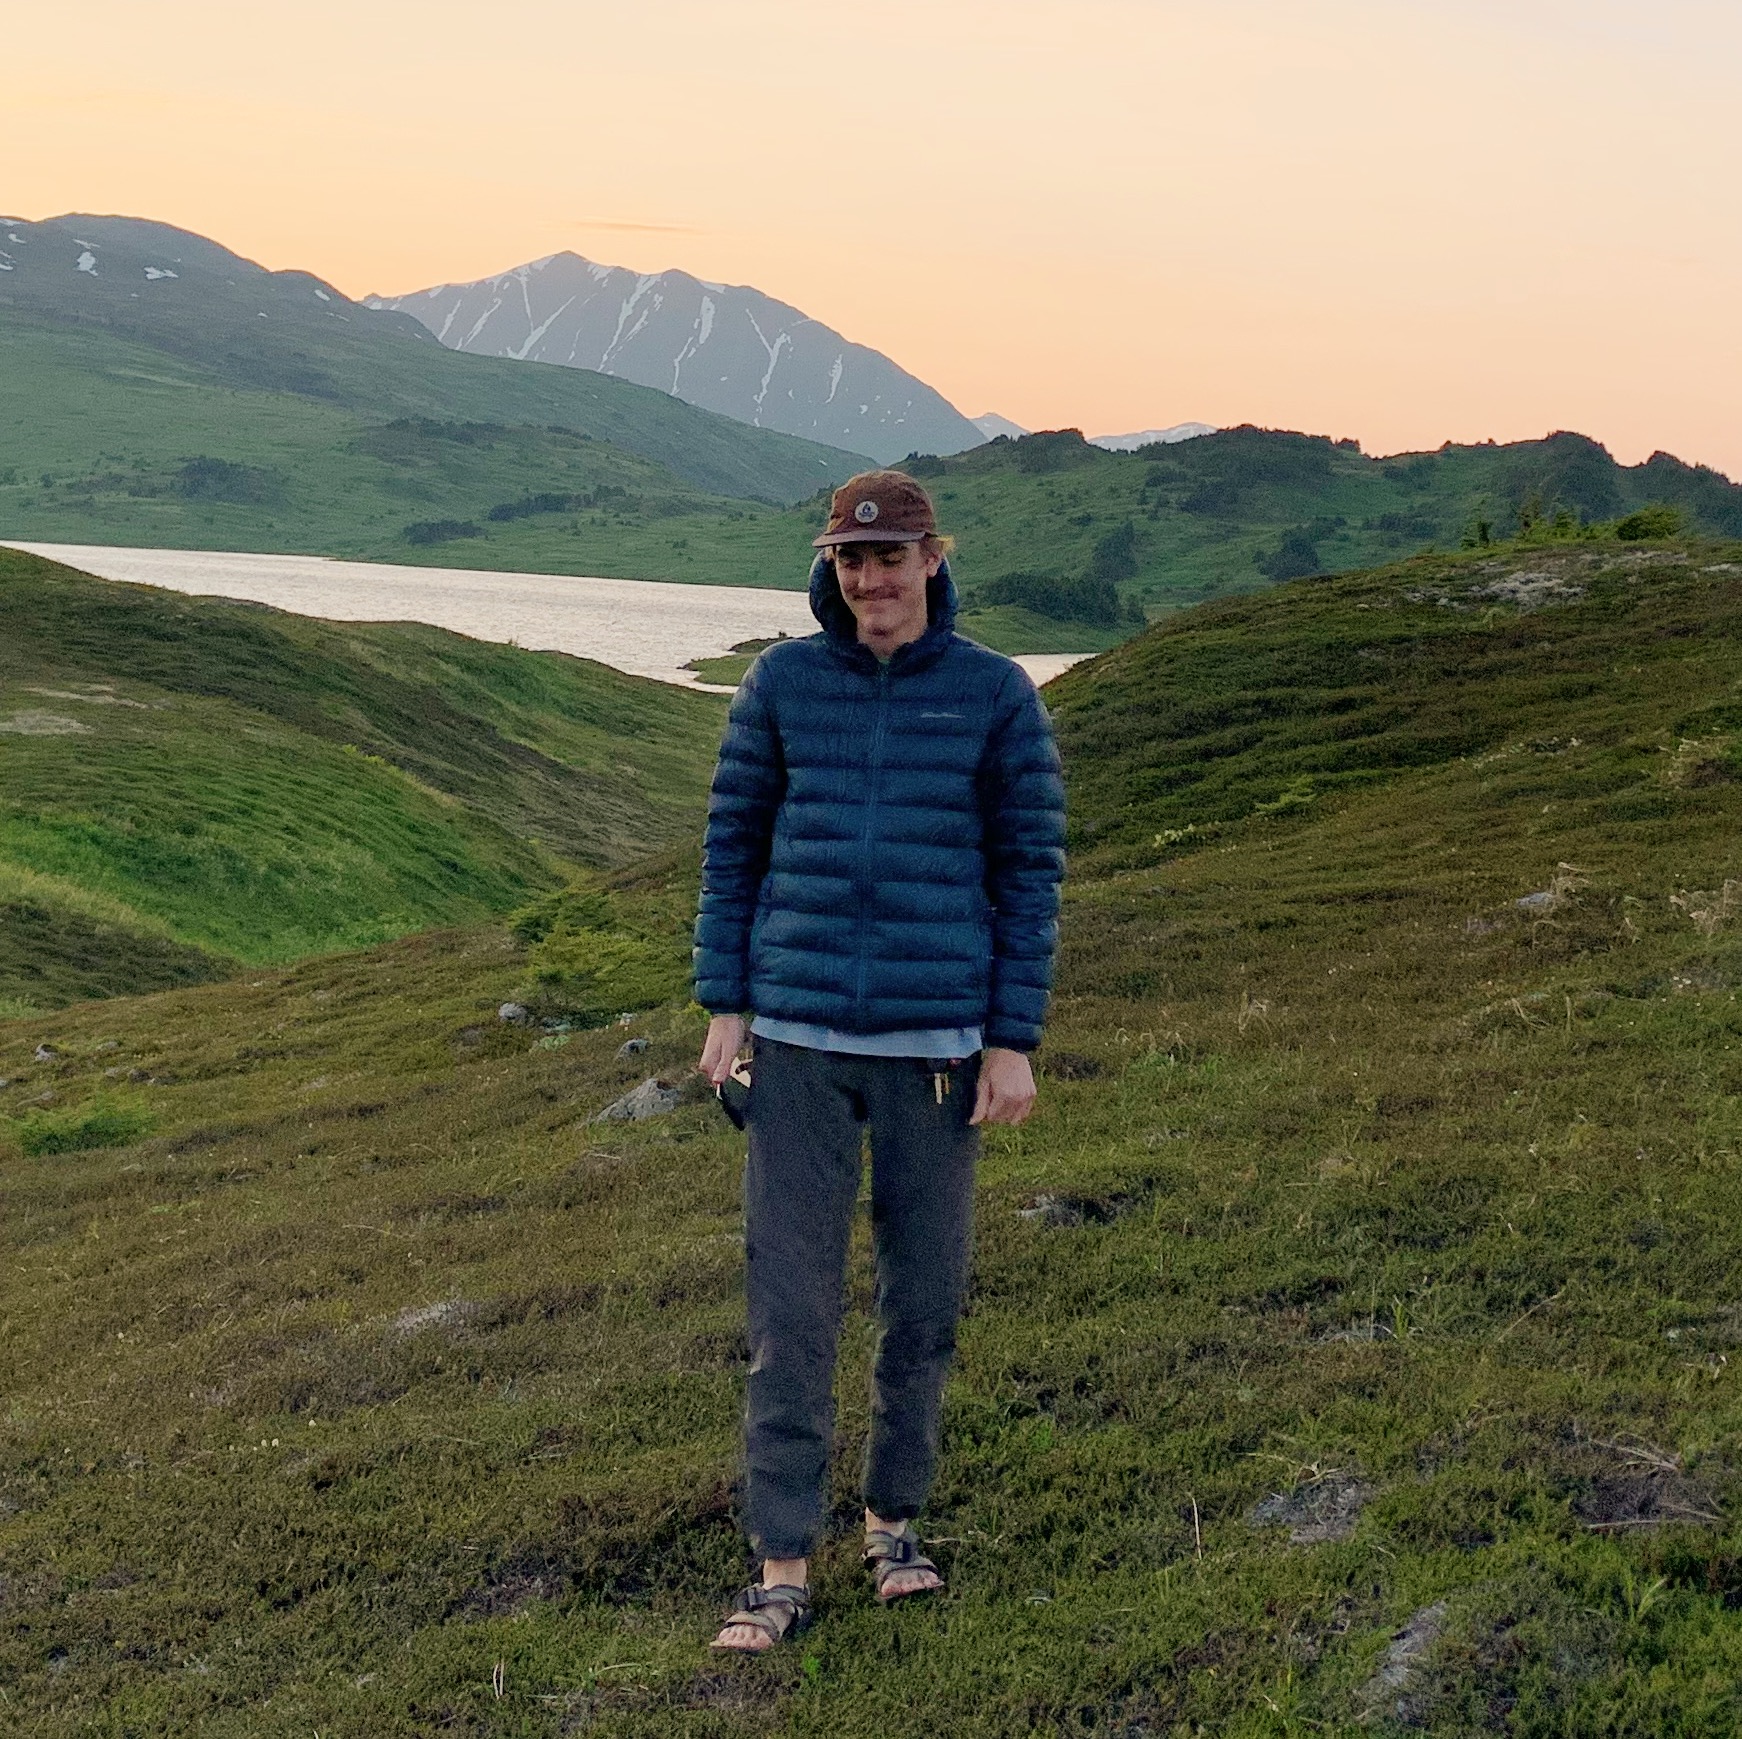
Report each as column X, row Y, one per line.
column 885, row 840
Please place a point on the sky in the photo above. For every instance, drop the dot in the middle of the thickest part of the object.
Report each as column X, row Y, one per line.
column 1406, row 221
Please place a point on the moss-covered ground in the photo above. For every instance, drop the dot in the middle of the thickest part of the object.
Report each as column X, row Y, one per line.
column 1353, row 1328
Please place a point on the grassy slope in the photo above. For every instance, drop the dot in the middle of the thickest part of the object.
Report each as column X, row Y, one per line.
column 287, row 338
column 1380, row 1176
column 263, row 786
column 328, row 476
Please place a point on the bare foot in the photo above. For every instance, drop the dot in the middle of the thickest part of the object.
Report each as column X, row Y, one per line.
column 743, row 1639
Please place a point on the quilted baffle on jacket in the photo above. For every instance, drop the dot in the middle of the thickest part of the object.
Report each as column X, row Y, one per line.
column 885, row 840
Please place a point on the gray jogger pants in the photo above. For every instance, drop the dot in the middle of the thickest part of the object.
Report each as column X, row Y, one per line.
column 807, row 1114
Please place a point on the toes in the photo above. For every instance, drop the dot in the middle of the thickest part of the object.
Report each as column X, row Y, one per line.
column 743, row 1639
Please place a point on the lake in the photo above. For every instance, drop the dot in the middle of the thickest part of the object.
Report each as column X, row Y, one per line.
column 645, row 627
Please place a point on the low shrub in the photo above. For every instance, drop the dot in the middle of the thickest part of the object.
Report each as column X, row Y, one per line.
column 590, row 965
column 1062, row 600
column 1658, row 520
column 102, row 1122
column 440, row 530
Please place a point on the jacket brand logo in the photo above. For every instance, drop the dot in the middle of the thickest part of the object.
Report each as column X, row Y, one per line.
column 940, row 715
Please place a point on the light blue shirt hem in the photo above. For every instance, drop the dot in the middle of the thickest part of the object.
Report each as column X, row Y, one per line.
column 933, row 1044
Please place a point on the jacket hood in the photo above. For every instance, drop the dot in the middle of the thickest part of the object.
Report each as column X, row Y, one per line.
column 830, row 608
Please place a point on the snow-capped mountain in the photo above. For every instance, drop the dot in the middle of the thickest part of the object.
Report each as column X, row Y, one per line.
column 728, row 348
column 991, row 425
column 1152, row 437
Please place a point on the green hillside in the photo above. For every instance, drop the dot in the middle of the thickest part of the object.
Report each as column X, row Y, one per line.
column 225, row 407
column 1353, row 1337
column 185, row 781
column 158, row 388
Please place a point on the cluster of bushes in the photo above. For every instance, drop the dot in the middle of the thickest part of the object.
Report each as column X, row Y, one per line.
column 528, row 506
column 1409, row 527
column 1658, row 520
column 1060, row 600
column 1092, row 597
column 1233, row 463
column 1295, row 558
column 408, row 438
column 425, row 531
column 591, row 964
column 207, row 479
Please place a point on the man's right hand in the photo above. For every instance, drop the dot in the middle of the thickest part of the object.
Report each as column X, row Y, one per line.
column 724, row 1041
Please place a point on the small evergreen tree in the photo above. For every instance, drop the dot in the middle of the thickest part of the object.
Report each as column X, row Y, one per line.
column 1115, row 555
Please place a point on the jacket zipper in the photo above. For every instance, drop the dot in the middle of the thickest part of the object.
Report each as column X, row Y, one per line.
column 865, row 837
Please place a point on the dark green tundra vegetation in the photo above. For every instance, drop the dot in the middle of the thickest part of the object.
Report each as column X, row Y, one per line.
column 186, row 782
column 1354, row 1339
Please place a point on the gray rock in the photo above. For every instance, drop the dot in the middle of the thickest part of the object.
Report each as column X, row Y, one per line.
column 46, row 1053
column 1051, row 1211
column 1317, row 1513
column 651, row 1099
column 513, row 1011
column 630, row 1048
column 1539, row 902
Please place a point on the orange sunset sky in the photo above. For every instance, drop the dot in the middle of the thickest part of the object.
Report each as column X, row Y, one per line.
column 1402, row 220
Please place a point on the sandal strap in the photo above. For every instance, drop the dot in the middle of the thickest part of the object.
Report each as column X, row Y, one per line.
column 896, row 1549
column 773, row 1611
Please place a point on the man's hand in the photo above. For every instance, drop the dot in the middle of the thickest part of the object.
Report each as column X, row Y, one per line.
column 1006, row 1087
column 725, row 1040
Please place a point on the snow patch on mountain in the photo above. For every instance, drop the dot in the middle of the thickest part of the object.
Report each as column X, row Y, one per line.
column 991, row 425
column 1152, row 437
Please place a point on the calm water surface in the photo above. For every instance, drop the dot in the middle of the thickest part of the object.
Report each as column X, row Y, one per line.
column 645, row 627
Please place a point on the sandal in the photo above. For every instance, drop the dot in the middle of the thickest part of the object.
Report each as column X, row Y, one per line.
column 778, row 1612
column 888, row 1550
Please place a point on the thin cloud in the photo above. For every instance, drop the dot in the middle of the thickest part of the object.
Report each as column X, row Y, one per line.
column 635, row 228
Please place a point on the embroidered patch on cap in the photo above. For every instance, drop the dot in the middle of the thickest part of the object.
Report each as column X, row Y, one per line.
column 865, row 512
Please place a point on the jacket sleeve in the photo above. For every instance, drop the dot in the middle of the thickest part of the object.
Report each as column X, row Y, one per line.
column 1024, row 797
column 749, row 783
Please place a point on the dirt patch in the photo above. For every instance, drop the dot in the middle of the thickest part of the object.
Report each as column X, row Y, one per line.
column 1624, row 1484
column 628, row 1543
column 1056, row 1209
column 1408, row 1646
column 1321, row 1511
column 33, row 722
column 448, row 1313
column 1496, row 1659
column 1071, row 1066
column 515, row 1582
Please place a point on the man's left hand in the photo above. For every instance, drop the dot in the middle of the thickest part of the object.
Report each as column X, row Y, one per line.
column 1007, row 1087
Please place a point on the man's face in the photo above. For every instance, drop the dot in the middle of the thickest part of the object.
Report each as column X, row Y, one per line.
column 884, row 585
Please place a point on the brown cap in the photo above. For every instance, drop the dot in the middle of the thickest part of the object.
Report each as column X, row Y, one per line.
column 878, row 507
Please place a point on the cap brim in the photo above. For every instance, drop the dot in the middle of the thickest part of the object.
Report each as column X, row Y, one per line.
column 867, row 534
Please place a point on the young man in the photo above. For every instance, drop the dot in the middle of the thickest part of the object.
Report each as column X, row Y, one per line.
column 880, row 886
